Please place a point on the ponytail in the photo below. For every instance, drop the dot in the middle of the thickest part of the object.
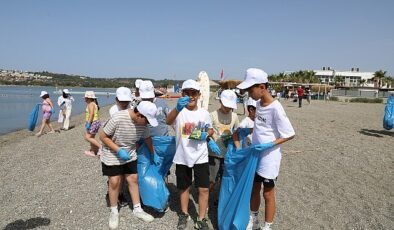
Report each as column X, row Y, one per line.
column 95, row 101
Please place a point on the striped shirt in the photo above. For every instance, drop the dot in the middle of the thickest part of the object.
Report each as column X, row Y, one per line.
column 124, row 133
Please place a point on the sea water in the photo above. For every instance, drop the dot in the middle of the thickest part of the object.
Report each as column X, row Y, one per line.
column 17, row 102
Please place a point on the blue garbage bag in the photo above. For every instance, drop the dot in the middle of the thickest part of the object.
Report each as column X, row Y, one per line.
column 236, row 188
column 33, row 117
column 153, row 189
column 388, row 119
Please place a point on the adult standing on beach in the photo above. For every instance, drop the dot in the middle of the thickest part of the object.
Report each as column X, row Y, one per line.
column 119, row 159
column 300, row 94
column 271, row 128
column 47, row 111
column 65, row 103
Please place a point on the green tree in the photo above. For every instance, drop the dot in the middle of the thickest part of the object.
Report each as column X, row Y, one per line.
column 378, row 77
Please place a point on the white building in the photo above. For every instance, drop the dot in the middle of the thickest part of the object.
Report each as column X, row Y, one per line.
column 349, row 78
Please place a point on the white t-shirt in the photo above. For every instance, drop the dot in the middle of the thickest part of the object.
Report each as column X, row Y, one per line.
column 247, row 123
column 188, row 151
column 115, row 108
column 271, row 123
column 67, row 102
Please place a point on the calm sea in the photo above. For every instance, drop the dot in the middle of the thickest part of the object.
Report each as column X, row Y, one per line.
column 17, row 102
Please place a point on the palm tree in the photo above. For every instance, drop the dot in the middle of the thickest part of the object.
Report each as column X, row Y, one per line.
column 379, row 75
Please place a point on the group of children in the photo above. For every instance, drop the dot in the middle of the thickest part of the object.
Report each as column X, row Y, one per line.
column 201, row 140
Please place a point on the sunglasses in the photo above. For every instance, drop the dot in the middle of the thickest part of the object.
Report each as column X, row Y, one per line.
column 190, row 93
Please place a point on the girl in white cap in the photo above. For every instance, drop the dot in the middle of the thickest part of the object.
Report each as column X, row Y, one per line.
column 47, row 111
column 65, row 103
column 92, row 124
column 224, row 121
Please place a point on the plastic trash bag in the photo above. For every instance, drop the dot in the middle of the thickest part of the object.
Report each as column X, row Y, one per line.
column 153, row 189
column 33, row 117
column 236, row 188
column 388, row 119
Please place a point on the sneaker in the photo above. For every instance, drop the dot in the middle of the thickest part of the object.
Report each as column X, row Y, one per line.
column 202, row 224
column 183, row 221
column 113, row 220
column 256, row 223
column 122, row 202
column 143, row 216
column 267, row 227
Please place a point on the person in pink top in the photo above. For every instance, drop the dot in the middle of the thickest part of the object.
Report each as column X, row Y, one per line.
column 47, row 111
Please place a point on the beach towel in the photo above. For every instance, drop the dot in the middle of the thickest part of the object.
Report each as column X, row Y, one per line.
column 388, row 119
column 153, row 189
column 33, row 117
column 236, row 188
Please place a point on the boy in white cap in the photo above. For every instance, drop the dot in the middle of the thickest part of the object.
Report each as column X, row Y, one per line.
column 271, row 128
column 193, row 128
column 248, row 122
column 147, row 93
column 119, row 154
column 123, row 95
column 224, row 121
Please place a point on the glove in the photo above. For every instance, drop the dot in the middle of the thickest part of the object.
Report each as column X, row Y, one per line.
column 203, row 136
column 213, row 147
column 264, row 146
column 87, row 125
column 182, row 102
column 243, row 132
column 123, row 154
column 52, row 110
column 156, row 159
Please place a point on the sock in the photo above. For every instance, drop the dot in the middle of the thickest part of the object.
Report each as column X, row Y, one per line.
column 255, row 215
column 137, row 208
column 267, row 224
column 114, row 210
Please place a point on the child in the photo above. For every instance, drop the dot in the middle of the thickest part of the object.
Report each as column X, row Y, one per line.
column 119, row 158
column 92, row 124
column 271, row 128
column 47, row 111
column 224, row 121
column 65, row 103
column 193, row 129
column 248, row 122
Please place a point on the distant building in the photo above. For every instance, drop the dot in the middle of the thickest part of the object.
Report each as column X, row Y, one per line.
column 348, row 78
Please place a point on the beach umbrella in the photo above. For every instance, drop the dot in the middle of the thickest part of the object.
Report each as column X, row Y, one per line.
column 33, row 117
column 236, row 188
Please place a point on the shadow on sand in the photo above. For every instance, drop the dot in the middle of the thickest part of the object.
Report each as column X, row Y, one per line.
column 376, row 133
column 28, row 224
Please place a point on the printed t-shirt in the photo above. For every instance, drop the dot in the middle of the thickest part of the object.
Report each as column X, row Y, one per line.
column 247, row 123
column 188, row 151
column 271, row 123
column 223, row 124
column 124, row 133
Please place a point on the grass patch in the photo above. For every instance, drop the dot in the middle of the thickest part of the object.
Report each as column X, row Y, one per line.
column 366, row 100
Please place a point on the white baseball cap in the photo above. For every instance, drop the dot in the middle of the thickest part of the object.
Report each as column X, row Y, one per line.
column 229, row 99
column 90, row 94
column 147, row 90
column 253, row 76
column 43, row 93
column 149, row 110
column 123, row 94
column 191, row 84
column 66, row 91
column 251, row 102
column 137, row 83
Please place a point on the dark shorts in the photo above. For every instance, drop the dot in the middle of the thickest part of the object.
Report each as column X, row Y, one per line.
column 184, row 176
column 116, row 170
column 216, row 165
column 268, row 183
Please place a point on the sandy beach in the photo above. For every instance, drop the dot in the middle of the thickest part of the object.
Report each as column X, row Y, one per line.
column 337, row 173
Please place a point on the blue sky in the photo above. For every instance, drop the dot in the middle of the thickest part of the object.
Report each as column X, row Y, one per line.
column 178, row 39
